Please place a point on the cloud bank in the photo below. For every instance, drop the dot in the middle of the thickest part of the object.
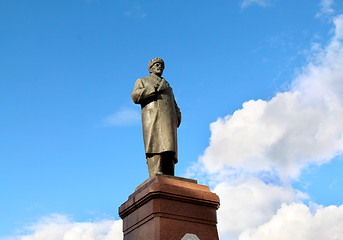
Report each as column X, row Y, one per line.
column 257, row 152
column 60, row 227
column 247, row 203
column 295, row 221
column 291, row 131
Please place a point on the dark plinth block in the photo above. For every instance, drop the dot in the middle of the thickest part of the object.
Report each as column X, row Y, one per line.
column 167, row 208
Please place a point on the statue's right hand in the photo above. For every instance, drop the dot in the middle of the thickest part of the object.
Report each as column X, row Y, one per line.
column 162, row 86
column 150, row 90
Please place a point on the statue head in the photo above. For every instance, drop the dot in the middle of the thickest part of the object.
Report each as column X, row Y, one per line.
column 156, row 66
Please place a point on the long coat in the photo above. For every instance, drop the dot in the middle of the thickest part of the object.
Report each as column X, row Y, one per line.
column 160, row 114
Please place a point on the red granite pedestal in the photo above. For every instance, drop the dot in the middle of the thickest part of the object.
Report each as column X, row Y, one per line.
column 167, row 208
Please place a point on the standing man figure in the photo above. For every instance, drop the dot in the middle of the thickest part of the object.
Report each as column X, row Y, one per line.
column 160, row 119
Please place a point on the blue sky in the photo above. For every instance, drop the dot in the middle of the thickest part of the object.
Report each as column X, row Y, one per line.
column 258, row 82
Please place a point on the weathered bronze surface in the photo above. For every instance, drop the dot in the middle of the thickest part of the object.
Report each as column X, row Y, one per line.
column 160, row 119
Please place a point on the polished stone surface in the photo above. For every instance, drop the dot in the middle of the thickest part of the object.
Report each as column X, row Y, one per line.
column 168, row 208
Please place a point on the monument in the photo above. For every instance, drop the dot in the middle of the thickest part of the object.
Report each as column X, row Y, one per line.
column 165, row 207
column 160, row 119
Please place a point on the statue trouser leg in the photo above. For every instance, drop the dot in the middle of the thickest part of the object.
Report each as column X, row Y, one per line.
column 163, row 163
column 168, row 163
column 154, row 164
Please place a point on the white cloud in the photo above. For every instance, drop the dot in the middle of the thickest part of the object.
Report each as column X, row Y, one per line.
column 262, row 3
column 123, row 117
column 248, row 203
column 254, row 152
column 59, row 227
column 325, row 8
column 295, row 221
column 291, row 131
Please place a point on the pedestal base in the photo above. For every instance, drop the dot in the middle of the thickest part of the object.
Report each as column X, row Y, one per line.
column 167, row 208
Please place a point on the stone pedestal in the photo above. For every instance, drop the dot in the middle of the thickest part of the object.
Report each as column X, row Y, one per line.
column 167, row 208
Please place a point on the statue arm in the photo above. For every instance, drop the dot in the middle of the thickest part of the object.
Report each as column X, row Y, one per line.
column 141, row 92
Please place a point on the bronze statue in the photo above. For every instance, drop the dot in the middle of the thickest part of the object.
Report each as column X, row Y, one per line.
column 160, row 119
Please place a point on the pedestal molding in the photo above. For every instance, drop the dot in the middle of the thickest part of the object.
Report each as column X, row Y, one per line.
column 167, row 208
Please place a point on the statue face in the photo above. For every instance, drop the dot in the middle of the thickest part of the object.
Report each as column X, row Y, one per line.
column 157, row 69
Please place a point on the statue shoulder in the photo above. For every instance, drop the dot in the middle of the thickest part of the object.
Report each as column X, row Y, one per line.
column 140, row 81
column 144, row 79
column 147, row 78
